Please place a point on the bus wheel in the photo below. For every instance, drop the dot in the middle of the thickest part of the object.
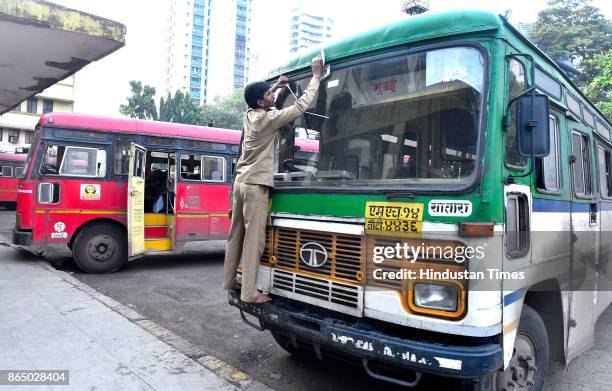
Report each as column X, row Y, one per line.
column 100, row 248
column 529, row 362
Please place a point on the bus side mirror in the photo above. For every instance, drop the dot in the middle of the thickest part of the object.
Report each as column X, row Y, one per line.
column 532, row 125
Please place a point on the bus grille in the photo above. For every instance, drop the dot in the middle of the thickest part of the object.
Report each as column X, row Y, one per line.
column 267, row 252
column 317, row 288
column 346, row 253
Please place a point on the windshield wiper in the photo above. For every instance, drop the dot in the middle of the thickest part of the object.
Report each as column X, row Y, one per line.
column 399, row 194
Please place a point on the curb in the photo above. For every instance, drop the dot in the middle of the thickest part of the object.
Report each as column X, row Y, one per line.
column 220, row 368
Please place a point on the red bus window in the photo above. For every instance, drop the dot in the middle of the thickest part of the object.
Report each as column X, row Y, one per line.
column 19, row 170
column 214, row 168
column 7, row 171
column 191, row 167
column 74, row 161
column 122, row 156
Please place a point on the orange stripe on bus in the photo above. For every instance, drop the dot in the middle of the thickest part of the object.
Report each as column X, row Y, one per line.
column 202, row 215
column 83, row 212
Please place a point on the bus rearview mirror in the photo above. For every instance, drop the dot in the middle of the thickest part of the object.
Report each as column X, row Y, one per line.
column 533, row 136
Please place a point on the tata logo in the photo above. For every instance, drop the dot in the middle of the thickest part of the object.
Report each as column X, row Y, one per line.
column 313, row 254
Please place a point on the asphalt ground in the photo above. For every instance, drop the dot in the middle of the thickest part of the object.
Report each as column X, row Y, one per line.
column 182, row 294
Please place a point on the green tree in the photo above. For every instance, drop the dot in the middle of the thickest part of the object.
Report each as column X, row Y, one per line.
column 225, row 112
column 179, row 108
column 141, row 104
column 600, row 88
column 574, row 29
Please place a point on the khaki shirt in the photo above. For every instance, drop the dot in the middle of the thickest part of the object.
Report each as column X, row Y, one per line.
column 261, row 133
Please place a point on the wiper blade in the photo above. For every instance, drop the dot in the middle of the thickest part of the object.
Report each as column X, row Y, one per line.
column 399, row 194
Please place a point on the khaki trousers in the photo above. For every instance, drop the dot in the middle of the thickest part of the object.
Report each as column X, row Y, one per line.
column 247, row 237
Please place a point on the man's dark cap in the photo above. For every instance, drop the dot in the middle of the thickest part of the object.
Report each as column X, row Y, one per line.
column 254, row 92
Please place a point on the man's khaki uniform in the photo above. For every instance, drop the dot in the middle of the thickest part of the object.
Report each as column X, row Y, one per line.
column 254, row 179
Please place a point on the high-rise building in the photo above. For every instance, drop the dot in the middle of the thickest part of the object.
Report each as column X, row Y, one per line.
column 17, row 125
column 207, row 47
column 309, row 27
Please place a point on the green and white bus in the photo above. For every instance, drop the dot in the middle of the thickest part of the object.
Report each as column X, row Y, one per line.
column 456, row 218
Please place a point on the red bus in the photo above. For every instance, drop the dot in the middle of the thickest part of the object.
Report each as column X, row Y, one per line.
column 113, row 189
column 11, row 168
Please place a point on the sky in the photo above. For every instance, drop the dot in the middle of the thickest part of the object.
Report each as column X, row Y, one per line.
column 102, row 86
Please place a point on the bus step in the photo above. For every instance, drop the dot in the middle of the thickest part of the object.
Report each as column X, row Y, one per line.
column 155, row 219
column 156, row 232
column 164, row 244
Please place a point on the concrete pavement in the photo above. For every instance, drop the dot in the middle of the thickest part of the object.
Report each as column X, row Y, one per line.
column 49, row 320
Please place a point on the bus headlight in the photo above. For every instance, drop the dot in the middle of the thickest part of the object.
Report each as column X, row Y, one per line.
column 436, row 296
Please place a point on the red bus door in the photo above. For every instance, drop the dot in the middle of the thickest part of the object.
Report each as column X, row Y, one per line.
column 135, row 205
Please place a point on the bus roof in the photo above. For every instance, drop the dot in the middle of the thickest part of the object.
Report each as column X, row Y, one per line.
column 431, row 25
column 412, row 29
column 139, row 126
column 13, row 157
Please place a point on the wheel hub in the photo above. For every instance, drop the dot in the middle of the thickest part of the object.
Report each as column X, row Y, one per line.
column 520, row 374
column 101, row 248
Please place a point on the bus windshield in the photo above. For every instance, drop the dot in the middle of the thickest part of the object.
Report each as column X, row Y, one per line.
column 31, row 152
column 403, row 120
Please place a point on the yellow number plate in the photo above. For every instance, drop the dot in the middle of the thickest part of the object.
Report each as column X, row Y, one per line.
column 393, row 218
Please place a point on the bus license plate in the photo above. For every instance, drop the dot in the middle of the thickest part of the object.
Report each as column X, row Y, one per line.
column 393, row 218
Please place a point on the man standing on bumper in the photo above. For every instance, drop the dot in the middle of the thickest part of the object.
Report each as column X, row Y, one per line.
column 255, row 178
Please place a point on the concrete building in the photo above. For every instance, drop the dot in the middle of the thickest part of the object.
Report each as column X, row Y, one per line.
column 17, row 125
column 309, row 27
column 207, row 47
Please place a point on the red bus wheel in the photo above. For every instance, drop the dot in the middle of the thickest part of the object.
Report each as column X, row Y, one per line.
column 100, row 248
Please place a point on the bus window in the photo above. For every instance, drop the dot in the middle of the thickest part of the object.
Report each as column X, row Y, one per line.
column 548, row 176
column 122, row 156
column 74, row 161
column 214, row 168
column 19, row 171
column 517, row 225
column 604, row 159
column 51, row 160
column 7, row 171
column 375, row 110
column 516, row 84
column 582, row 165
column 191, row 167
column 80, row 161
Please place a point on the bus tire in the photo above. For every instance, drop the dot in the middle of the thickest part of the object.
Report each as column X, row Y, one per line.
column 531, row 340
column 100, row 248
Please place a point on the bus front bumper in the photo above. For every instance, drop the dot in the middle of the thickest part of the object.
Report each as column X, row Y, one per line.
column 23, row 238
column 357, row 339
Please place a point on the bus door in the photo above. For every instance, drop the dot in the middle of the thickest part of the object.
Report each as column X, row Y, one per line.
column 135, row 204
column 159, row 200
column 584, row 249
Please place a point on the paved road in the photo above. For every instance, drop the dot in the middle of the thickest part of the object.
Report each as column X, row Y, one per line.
column 182, row 294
